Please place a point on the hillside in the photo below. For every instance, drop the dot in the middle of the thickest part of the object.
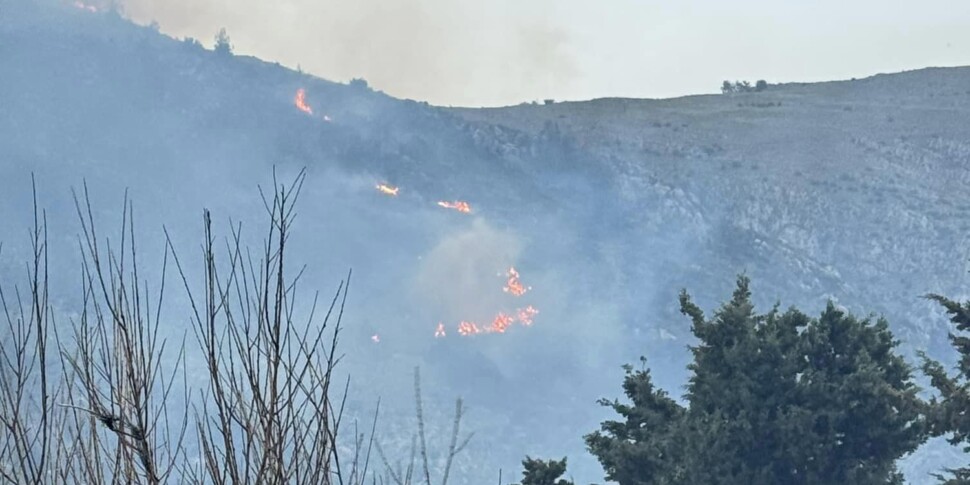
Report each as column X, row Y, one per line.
column 850, row 190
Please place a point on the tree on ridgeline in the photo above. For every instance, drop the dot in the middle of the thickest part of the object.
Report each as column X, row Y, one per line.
column 223, row 44
column 773, row 398
column 727, row 87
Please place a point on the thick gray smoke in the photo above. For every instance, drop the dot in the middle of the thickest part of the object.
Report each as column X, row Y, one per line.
column 461, row 278
column 455, row 52
column 501, row 52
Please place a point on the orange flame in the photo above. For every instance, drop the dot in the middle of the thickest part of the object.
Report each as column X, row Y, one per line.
column 84, row 6
column 501, row 323
column 456, row 205
column 513, row 285
column 388, row 189
column 468, row 328
column 526, row 315
column 300, row 101
column 376, row 338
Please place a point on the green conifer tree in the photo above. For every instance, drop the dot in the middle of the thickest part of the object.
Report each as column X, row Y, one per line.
column 772, row 398
column 950, row 410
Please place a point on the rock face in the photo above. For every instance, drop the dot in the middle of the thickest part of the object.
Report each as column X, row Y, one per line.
column 855, row 191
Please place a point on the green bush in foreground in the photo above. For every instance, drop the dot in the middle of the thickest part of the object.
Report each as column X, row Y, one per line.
column 773, row 398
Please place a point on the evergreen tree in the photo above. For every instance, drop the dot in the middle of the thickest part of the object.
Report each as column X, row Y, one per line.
column 223, row 44
column 772, row 398
column 949, row 410
column 541, row 472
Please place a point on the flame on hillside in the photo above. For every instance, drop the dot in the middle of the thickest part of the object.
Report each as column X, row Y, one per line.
column 457, row 205
column 388, row 189
column 513, row 286
column 500, row 324
column 300, row 102
column 526, row 315
column 468, row 328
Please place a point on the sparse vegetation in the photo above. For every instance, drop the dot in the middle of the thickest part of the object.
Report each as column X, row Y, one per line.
column 727, row 87
column 398, row 474
column 114, row 403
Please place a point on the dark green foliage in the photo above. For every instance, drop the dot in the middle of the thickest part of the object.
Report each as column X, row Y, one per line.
column 773, row 398
column 950, row 408
column 630, row 449
column 542, row 472
column 223, row 45
column 761, row 85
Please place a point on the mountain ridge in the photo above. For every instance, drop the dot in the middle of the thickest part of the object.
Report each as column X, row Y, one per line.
column 845, row 190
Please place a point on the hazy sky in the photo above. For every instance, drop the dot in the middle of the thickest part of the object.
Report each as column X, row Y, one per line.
column 499, row 52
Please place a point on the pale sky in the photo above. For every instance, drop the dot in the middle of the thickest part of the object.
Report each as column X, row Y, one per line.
column 502, row 52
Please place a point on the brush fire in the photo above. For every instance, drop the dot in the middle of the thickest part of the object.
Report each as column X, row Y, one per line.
column 502, row 321
column 388, row 189
column 513, row 286
column 457, row 205
column 500, row 324
column 300, row 102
